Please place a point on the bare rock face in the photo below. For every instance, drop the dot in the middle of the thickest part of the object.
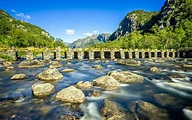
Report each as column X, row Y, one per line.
column 146, row 110
column 126, row 77
column 84, row 85
column 31, row 64
column 40, row 90
column 112, row 110
column 106, row 82
column 70, row 95
column 19, row 77
column 51, row 73
column 97, row 67
column 154, row 69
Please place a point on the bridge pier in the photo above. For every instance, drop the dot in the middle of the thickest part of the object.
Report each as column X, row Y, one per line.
column 29, row 55
column 122, row 54
column 91, row 55
column 102, row 54
column 80, row 55
column 11, row 53
column 112, row 54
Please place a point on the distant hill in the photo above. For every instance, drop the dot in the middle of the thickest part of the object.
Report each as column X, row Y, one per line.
column 22, row 34
column 88, row 41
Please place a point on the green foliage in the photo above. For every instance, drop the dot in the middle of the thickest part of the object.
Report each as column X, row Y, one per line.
column 21, row 53
column 22, row 34
column 6, row 57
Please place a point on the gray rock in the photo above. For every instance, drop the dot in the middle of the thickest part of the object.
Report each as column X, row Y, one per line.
column 40, row 90
column 126, row 77
column 113, row 111
column 146, row 110
column 31, row 64
column 106, row 82
column 6, row 64
column 154, row 69
column 96, row 93
column 68, row 70
column 19, row 77
column 165, row 100
column 84, row 85
column 51, row 73
column 70, row 95
column 56, row 64
column 97, row 67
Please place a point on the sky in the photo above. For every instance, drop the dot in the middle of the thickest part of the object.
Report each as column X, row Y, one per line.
column 74, row 19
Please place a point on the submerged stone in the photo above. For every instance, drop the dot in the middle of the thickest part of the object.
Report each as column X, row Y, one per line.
column 51, row 73
column 70, row 95
column 56, row 64
column 68, row 70
column 154, row 69
column 146, row 110
column 41, row 90
column 19, row 77
column 112, row 110
column 97, row 67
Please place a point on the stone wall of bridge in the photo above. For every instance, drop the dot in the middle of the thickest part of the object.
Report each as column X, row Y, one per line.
column 91, row 54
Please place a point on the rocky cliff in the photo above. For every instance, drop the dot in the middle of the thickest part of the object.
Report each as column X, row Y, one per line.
column 133, row 21
column 173, row 12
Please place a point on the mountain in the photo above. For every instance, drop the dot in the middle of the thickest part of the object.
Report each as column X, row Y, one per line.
column 89, row 40
column 173, row 12
column 170, row 28
column 133, row 21
column 19, row 33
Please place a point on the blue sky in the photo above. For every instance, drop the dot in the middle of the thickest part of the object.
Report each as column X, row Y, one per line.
column 73, row 19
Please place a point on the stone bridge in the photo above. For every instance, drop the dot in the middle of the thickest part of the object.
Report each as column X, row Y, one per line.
column 91, row 54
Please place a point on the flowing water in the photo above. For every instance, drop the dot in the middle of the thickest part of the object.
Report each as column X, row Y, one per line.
column 17, row 101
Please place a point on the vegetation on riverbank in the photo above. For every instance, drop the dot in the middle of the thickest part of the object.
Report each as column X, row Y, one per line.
column 6, row 57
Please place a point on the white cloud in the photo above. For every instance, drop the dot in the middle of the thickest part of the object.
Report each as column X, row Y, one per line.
column 70, row 32
column 88, row 34
column 23, row 15
column 95, row 31
column 12, row 10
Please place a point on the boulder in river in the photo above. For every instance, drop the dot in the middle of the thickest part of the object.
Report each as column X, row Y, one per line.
column 106, row 82
column 49, row 74
column 70, row 95
column 126, row 77
column 154, row 69
column 6, row 64
column 132, row 63
column 97, row 67
column 56, row 64
column 19, row 77
column 112, row 110
column 31, row 64
column 41, row 90
column 84, row 85
column 68, row 70
column 147, row 111
column 96, row 93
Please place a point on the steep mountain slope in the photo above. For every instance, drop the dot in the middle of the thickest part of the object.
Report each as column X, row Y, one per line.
column 22, row 34
column 90, row 40
column 133, row 21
